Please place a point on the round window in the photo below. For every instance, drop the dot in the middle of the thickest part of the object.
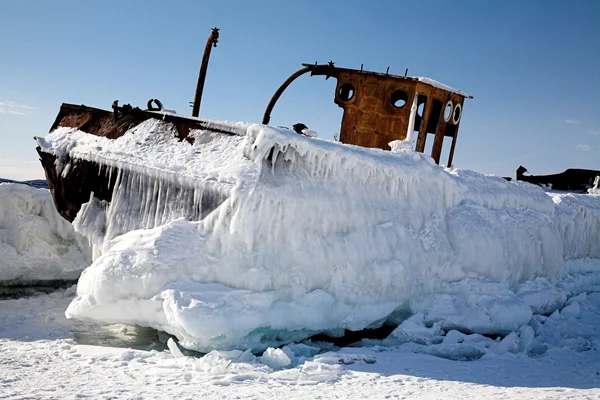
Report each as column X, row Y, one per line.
column 448, row 111
column 346, row 92
column 457, row 114
column 399, row 98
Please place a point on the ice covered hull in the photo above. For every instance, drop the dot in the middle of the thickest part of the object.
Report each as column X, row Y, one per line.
column 316, row 236
column 71, row 188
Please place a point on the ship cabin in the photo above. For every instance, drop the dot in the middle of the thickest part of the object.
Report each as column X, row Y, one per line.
column 380, row 108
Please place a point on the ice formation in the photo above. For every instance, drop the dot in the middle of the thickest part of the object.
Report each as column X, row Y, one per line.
column 309, row 236
column 36, row 243
column 595, row 189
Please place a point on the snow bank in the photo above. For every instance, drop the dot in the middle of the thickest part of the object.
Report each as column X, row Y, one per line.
column 314, row 236
column 578, row 220
column 36, row 243
column 474, row 305
column 568, row 323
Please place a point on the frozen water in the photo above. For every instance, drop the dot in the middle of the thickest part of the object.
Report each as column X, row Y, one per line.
column 414, row 330
column 275, row 358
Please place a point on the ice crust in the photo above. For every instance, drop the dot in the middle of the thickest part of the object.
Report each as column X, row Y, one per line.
column 318, row 236
column 36, row 243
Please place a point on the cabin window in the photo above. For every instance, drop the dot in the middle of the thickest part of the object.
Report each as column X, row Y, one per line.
column 448, row 111
column 434, row 117
column 346, row 92
column 421, row 106
column 457, row 114
column 428, row 145
column 399, row 98
column 445, row 153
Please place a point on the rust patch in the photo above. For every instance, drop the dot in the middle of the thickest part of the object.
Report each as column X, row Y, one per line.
column 69, row 192
column 113, row 125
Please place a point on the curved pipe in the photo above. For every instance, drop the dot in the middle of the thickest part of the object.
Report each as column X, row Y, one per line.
column 159, row 106
column 279, row 92
column 317, row 69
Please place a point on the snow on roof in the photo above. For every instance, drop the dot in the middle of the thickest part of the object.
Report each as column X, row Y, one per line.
column 422, row 79
column 439, row 85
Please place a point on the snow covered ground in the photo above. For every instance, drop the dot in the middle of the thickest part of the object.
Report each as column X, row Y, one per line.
column 45, row 356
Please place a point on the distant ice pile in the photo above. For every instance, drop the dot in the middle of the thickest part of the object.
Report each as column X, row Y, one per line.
column 36, row 243
column 316, row 236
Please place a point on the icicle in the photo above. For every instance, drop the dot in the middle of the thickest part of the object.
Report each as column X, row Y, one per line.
column 140, row 201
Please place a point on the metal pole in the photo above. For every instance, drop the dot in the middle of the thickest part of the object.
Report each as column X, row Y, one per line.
column 210, row 43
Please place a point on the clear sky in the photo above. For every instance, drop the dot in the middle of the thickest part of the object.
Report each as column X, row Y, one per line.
column 532, row 66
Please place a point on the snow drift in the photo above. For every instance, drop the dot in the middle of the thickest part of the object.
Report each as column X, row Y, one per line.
column 313, row 236
column 36, row 243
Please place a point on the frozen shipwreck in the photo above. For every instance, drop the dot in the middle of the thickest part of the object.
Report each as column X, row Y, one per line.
column 379, row 108
column 255, row 236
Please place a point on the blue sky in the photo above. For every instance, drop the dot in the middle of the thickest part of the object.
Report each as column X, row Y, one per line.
column 533, row 67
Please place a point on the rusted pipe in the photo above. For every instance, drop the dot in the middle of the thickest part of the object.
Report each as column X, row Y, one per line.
column 267, row 116
column 322, row 69
column 210, row 43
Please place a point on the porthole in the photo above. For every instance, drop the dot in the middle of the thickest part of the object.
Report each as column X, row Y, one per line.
column 457, row 114
column 448, row 111
column 346, row 92
column 399, row 98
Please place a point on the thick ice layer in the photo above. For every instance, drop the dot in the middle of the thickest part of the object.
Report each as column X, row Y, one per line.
column 322, row 236
column 36, row 243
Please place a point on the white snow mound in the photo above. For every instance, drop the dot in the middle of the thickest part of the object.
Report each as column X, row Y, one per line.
column 36, row 243
column 313, row 236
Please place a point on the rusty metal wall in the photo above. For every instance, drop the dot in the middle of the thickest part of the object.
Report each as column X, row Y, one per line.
column 372, row 120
